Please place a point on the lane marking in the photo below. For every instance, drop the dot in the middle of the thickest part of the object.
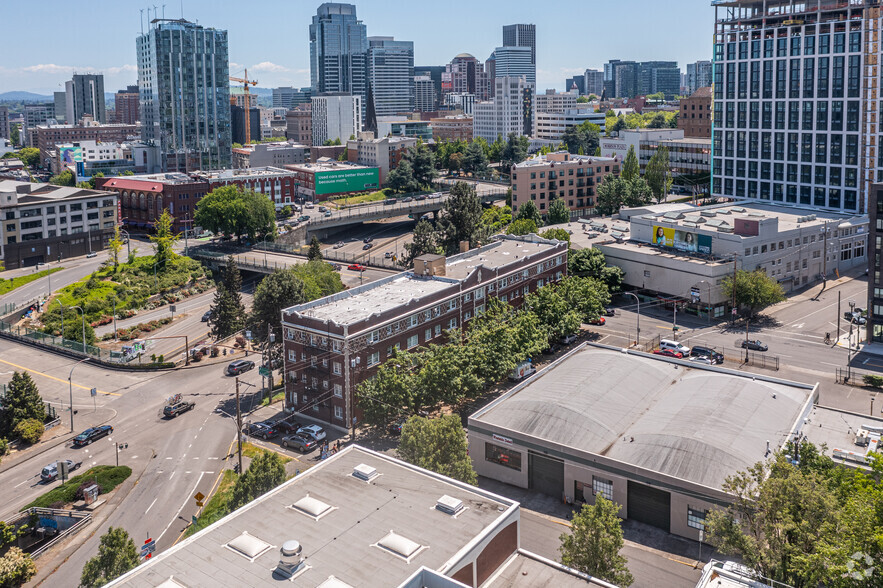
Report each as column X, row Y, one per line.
column 25, row 482
column 186, row 500
column 168, row 458
column 151, row 505
column 33, row 371
column 172, row 476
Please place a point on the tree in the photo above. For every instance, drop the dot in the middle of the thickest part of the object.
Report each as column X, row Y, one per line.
column 754, row 290
column 286, row 211
column 585, row 136
column 588, row 296
column 422, row 163
column 522, row 226
column 30, row 156
column 163, row 241
column 474, row 159
column 594, row 543
column 275, row 293
column 528, row 211
column 560, row 234
column 29, row 430
column 15, row 137
column 319, row 279
column 392, row 391
column 65, row 178
column 515, row 151
column 401, row 179
column 228, row 312
column 425, row 240
column 658, row 174
column 495, row 150
column 610, row 194
column 590, row 263
column 462, row 216
column 22, row 403
column 315, row 250
column 551, row 309
column 558, row 213
column 265, row 473
column 455, row 162
column 582, row 100
column 115, row 245
column 630, row 167
column 445, row 374
column 116, row 556
column 236, row 211
column 16, row 568
column 637, row 192
column 438, row 445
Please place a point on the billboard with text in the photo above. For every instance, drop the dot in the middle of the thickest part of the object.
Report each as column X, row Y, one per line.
column 681, row 240
column 347, row 180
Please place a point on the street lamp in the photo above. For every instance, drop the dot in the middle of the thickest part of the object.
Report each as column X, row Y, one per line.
column 115, row 315
column 849, row 349
column 128, row 242
column 83, row 312
column 708, row 305
column 71, row 389
column 638, row 300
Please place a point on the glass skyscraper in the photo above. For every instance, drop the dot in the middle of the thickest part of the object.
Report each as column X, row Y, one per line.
column 391, row 75
column 796, row 102
column 339, row 52
column 185, row 94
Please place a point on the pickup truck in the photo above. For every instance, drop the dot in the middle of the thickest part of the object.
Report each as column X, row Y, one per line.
column 173, row 410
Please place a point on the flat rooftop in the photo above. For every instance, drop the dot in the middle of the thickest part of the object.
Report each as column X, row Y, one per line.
column 530, row 571
column 30, row 193
column 495, row 255
column 325, row 166
column 837, row 430
column 542, row 160
column 339, row 529
column 699, row 424
column 251, row 172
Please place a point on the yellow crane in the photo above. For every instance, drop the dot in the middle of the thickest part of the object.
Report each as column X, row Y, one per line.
column 245, row 82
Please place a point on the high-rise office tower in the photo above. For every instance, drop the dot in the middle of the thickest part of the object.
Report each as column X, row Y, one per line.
column 339, row 52
column 698, row 76
column 511, row 111
column 4, row 122
column 796, row 102
column 288, row 97
column 594, row 82
column 424, row 94
column 185, row 94
column 84, row 94
column 659, row 76
column 126, row 105
column 522, row 35
column 514, row 62
column 435, row 74
column 60, row 106
column 465, row 75
column 391, row 75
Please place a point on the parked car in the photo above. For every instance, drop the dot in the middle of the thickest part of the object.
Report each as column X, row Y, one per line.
column 408, row 199
column 754, row 345
column 239, row 366
column 669, row 353
column 303, row 218
column 173, row 410
column 552, row 348
column 855, row 318
column 421, row 197
column 262, row 430
column 322, row 209
column 287, row 427
column 568, row 339
column 206, row 316
column 609, row 311
column 598, row 321
column 314, row 432
column 300, row 442
column 50, row 472
column 367, row 246
column 356, row 267
column 328, row 213
column 674, row 346
column 700, row 351
column 93, row 434
column 92, row 254
column 388, row 255
column 701, row 359
column 309, row 205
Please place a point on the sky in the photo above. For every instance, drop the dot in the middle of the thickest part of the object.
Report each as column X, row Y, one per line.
column 271, row 37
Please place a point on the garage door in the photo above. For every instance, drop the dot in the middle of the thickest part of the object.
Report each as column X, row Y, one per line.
column 546, row 474
column 649, row 505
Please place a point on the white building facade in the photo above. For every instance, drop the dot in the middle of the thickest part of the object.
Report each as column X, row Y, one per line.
column 336, row 116
column 511, row 111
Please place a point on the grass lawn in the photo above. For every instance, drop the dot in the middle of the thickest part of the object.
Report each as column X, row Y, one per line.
column 107, row 477
column 216, row 508
column 252, row 451
column 276, row 398
column 13, row 283
column 362, row 198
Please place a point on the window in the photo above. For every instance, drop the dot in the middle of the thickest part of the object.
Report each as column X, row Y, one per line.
column 338, row 412
column 413, row 320
column 427, row 335
column 335, row 368
column 503, row 456
column 452, row 324
column 374, row 358
column 437, row 330
column 696, row 518
column 338, row 391
column 602, row 487
column 413, row 341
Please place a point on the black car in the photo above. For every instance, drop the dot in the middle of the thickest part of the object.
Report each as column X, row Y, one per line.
column 299, row 442
column 262, row 430
column 700, row 351
column 90, row 435
column 609, row 311
column 754, row 345
column 288, row 427
column 395, row 428
column 206, row 316
column 239, row 366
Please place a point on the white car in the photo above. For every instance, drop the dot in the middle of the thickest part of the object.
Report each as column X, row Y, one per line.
column 313, row 432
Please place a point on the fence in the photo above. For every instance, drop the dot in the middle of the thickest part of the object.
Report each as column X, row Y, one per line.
column 851, row 376
column 85, row 519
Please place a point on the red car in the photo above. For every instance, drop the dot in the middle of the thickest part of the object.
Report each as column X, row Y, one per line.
column 598, row 321
column 669, row 353
column 356, row 267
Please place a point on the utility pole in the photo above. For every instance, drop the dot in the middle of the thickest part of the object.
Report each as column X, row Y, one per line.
column 838, row 315
column 271, row 338
column 825, row 257
column 238, row 426
column 733, row 315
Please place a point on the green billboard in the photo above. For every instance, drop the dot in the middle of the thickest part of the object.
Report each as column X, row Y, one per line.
column 347, row 180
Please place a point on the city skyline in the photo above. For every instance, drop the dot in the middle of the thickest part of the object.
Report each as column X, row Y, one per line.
column 564, row 46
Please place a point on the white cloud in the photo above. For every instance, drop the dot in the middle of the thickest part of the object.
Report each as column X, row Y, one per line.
column 51, row 68
column 235, row 66
column 269, row 66
column 112, row 71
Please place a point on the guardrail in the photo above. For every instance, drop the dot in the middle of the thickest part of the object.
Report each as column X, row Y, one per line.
column 76, row 527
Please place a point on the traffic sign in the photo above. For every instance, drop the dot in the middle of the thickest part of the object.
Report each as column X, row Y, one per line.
column 199, row 496
column 93, row 391
column 264, row 371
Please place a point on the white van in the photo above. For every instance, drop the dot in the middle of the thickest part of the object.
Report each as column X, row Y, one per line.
column 674, row 346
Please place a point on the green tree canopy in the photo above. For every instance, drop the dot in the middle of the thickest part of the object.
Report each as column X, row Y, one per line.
column 22, row 402
column 560, row 234
column 551, row 308
column 265, row 473
column 658, row 174
column 227, row 310
column 393, row 389
column 30, row 156
column 425, row 240
column 631, row 169
column 558, row 213
column 438, row 445
column 16, row 568
column 116, row 556
column 754, row 290
column 584, row 137
column 235, row 211
column 594, row 543
column 582, row 100
column 319, row 279
column 401, row 179
column 522, row 226
column 163, row 240
column 614, row 193
column 515, row 151
column 462, row 216
column 315, row 253
column 475, row 159
column 65, row 178
column 529, row 211
column 275, row 293
column 590, row 263
column 422, row 162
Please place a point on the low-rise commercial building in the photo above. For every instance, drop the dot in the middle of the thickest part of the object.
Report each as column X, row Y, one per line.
column 269, row 155
column 551, row 126
column 695, row 114
column 334, row 344
column 86, row 158
column 43, row 222
column 143, row 198
column 299, row 124
column 572, row 178
column 277, row 184
column 396, row 126
column 452, row 128
column 625, row 425
column 362, row 518
column 557, row 102
column 47, row 137
column 690, row 157
column 318, row 181
column 383, row 153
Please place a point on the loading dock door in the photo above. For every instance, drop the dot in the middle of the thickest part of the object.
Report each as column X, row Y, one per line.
column 649, row 505
column 546, row 474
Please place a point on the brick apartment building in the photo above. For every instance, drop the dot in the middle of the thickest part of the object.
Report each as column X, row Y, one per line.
column 695, row 114
column 452, row 128
column 47, row 137
column 143, row 198
column 573, row 178
column 333, row 344
column 299, row 123
column 277, row 184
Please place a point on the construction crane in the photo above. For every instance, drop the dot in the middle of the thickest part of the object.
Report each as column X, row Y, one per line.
column 245, row 82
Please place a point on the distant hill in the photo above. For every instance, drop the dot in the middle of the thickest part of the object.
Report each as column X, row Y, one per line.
column 19, row 96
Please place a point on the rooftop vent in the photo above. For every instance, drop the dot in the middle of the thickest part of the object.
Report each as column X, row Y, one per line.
column 171, row 583
column 673, row 215
column 365, row 472
column 449, row 505
column 756, row 213
column 725, row 229
column 333, row 582
column 694, row 218
column 690, row 224
column 737, row 209
column 708, row 213
column 400, row 546
column 248, row 546
column 312, row 507
column 291, row 564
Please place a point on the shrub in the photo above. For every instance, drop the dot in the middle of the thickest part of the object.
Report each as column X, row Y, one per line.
column 107, row 477
column 197, row 356
column 4, row 446
column 873, row 381
column 241, row 341
column 29, row 430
